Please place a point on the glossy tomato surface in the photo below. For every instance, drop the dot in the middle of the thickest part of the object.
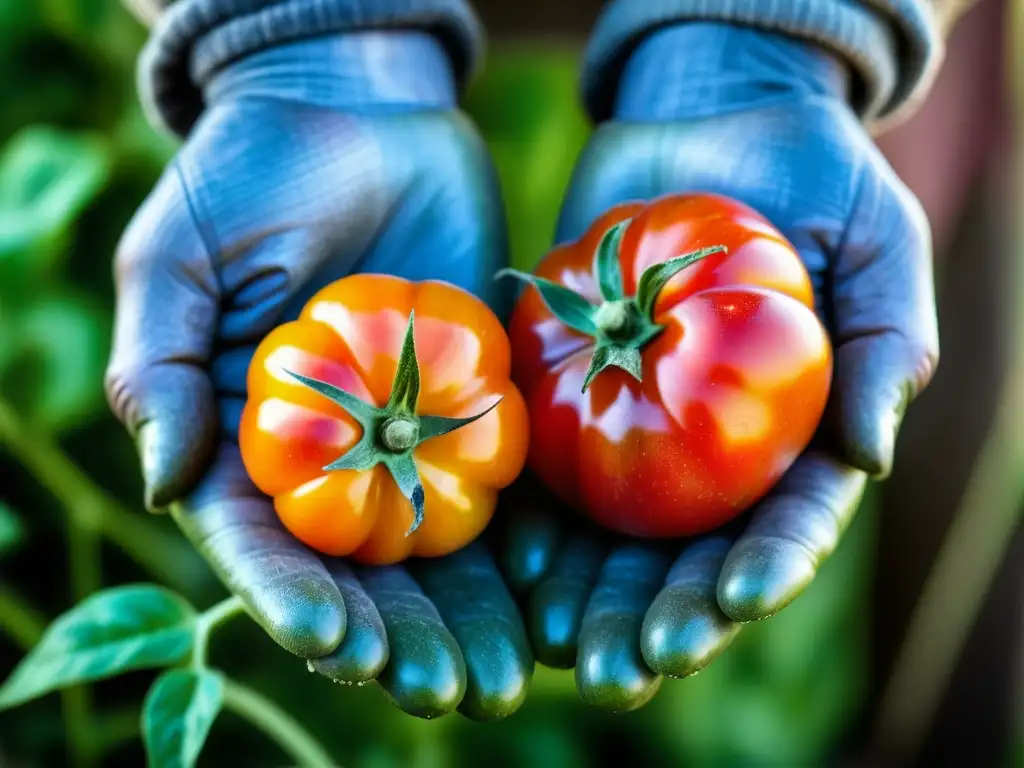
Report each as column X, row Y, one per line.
column 733, row 388
column 350, row 335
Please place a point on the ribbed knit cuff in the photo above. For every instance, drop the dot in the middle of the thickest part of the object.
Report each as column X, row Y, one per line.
column 893, row 46
column 193, row 39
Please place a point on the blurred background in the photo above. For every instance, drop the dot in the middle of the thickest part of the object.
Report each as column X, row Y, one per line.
column 906, row 650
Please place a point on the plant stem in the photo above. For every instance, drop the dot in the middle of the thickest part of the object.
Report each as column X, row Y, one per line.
column 277, row 724
column 25, row 625
column 208, row 621
column 19, row 620
column 91, row 506
column 76, row 706
column 86, row 571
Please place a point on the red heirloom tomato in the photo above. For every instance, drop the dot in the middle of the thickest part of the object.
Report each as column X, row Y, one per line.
column 387, row 404
column 672, row 364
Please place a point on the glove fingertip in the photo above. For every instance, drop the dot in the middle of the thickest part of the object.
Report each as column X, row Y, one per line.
column 426, row 676
column 763, row 578
column 876, row 378
column 359, row 658
column 683, row 632
column 177, row 446
column 868, row 443
column 173, row 462
column 615, row 682
column 309, row 620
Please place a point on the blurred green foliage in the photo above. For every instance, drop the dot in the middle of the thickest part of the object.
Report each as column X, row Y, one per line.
column 77, row 159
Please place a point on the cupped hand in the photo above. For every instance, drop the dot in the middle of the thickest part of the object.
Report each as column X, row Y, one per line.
column 763, row 119
column 312, row 161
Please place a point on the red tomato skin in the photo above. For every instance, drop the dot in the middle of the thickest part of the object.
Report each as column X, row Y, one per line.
column 733, row 388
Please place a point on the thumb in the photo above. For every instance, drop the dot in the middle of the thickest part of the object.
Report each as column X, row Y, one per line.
column 165, row 319
column 886, row 329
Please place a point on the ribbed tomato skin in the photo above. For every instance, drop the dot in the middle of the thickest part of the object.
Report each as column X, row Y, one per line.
column 733, row 388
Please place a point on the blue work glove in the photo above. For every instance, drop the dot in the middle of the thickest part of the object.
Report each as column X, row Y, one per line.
column 763, row 118
column 311, row 161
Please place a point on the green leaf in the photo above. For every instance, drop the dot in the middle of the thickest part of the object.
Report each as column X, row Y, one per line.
column 607, row 269
column 47, row 177
column 364, row 413
column 567, row 305
column 12, row 531
column 407, row 478
column 435, row 426
column 117, row 630
column 656, row 276
column 177, row 715
column 17, row 18
column 626, row 358
column 52, row 365
column 405, row 388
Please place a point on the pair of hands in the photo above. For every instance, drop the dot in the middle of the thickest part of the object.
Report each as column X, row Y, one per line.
column 348, row 154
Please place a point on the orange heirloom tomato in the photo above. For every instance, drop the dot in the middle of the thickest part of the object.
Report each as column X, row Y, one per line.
column 672, row 364
column 383, row 421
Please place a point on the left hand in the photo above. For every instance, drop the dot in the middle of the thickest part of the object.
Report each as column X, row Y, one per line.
column 770, row 126
column 314, row 160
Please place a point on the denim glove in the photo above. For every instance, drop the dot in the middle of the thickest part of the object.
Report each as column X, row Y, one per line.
column 311, row 161
column 763, row 118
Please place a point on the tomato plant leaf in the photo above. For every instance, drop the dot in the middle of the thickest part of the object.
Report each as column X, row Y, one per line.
column 56, row 353
column 435, row 426
column 611, row 355
column 126, row 628
column 177, row 714
column 565, row 304
column 656, row 276
column 12, row 531
column 405, row 388
column 47, row 177
column 607, row 270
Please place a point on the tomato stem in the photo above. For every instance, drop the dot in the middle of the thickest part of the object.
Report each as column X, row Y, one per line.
column 399, row 434
column 613, row 317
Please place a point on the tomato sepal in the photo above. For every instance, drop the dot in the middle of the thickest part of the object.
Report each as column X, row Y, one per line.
column 565, row 304
column 620, row 325
column 614, row 356
column 656, row 276
column 391, row 434
column 607, row 270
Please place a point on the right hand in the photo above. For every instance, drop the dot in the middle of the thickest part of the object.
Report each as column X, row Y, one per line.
column 312, row 161
column 761, row 118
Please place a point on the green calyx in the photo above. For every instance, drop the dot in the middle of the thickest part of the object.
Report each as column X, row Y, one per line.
column 620, row 325
column 391, row 434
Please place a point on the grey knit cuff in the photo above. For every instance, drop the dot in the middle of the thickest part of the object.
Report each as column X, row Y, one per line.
column 193, row 39
column 893, row 46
